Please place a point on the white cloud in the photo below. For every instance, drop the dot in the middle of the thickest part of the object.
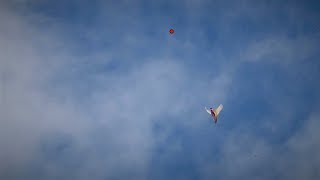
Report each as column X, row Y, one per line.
column 47, row 88
column 43, row 92
column 282, row 49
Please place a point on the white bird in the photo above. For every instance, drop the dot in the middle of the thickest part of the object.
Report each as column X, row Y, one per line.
column 215, row 112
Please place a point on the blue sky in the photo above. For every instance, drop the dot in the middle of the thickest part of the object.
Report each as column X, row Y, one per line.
column 101, row 90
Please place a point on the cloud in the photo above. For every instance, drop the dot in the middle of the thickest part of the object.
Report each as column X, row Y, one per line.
column 88, row 109
column 110, row 96
column 282, row 50
column 302, row 159
column 27, row 111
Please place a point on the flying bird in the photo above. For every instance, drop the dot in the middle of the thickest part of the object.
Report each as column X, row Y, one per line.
column 215, row 112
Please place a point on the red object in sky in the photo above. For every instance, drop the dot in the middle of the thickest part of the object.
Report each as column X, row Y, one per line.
column 171, row 31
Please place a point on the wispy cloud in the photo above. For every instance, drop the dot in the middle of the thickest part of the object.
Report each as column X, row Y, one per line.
column 110, row 95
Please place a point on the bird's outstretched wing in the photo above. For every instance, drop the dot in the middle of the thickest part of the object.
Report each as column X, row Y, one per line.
column 207, row 110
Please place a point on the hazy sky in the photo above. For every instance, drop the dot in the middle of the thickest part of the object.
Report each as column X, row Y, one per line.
column 98, row 90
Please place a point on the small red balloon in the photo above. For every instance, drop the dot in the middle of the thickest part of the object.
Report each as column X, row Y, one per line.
column 171, row 31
